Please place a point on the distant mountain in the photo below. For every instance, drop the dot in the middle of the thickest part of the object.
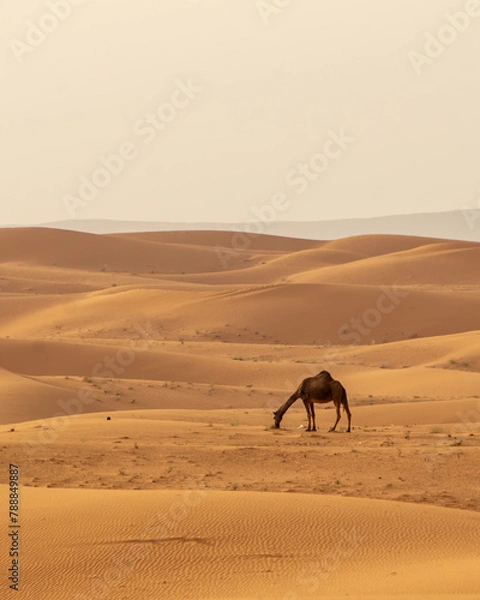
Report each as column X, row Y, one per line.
column 455, row 225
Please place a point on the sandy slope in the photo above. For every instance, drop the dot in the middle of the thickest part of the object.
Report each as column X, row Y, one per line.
column 188, row 341
column 294, row 295
column 322, row 314
column 198, row 544
column 144, row 253
column 40, row 378
column 24, row 397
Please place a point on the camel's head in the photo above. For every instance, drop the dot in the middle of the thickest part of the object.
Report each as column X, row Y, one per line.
column 277, row 418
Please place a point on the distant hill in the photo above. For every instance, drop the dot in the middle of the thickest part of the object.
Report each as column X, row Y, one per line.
column 455, row 225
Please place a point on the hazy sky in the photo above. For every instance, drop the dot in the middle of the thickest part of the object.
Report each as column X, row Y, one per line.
column 218, row 110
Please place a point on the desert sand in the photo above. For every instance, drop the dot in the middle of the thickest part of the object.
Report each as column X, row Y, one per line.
column 139, row 373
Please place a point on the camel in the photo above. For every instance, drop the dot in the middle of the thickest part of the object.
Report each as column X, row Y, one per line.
column 321, row 388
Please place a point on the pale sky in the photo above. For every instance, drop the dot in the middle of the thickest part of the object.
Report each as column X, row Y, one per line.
column 323, row 109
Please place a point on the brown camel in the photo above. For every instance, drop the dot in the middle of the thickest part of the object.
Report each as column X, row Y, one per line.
column 322, row 389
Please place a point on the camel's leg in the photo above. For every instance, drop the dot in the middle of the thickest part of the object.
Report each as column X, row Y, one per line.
column 337, row 406
column 349, row 415
column 344, row 402
column 314, row 425
column 307, row 408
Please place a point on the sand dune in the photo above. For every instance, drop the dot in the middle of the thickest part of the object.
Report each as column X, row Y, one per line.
column 144, row 253
column 24, row 398
column 198, row 252
column 447, row 263
column 457, row 351
column 187, row 341
column 186, row 544
column 92, row 252
column 287, row 313
column 294, row 295
column 225, row 239
column 374, row 260
column 191, row 376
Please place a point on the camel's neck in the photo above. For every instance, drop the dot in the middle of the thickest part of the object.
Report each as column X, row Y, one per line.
column 283, row 409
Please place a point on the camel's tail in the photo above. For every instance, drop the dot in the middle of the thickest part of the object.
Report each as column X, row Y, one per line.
column 278, row 414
